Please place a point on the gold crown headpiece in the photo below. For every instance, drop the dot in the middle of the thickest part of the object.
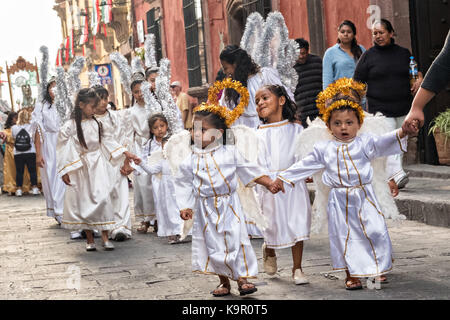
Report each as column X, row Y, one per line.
column 213, row 106
column 352, row 92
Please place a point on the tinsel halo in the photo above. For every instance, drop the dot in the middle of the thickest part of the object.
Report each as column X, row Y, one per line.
column 344, row 86
column 229, row 116
column 340, row 103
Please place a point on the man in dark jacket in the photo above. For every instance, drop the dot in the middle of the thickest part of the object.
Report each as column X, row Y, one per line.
column 309, row 70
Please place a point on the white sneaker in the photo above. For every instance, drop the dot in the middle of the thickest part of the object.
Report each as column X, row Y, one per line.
column 299, row 277
column 35, row 191
column 18, row 192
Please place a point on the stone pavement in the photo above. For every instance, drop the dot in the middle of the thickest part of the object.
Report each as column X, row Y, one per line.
column 39, row 261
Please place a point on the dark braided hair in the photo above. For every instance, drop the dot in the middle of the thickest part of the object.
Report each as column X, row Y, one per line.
column 86, row 95
column 289, row 107
column 355, row 48
column 245, row 67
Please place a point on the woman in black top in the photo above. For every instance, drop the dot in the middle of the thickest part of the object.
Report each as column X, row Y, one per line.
column 385, row 69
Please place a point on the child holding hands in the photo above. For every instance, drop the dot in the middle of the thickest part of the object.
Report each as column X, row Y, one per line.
column 359, row 239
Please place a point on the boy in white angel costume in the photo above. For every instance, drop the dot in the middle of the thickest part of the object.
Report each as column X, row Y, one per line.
column 359, row 239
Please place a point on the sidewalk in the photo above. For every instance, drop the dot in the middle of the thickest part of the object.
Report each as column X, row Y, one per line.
column 39, row 261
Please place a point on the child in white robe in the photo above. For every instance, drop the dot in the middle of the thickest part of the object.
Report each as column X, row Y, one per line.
column 83, row 162
column 288, row 214
column 48, row 125
column 206, row 184
column 170, row 223
column 112, row 125
column 359, row 239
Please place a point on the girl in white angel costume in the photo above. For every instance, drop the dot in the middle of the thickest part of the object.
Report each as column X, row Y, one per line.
column 170, row 223
column 359, row 239
column 48, row 124
column 113, row 125
column 206, row 182
column 84, row 153
column 288, row 214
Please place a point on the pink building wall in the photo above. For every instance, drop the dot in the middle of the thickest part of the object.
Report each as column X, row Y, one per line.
column 296, row 16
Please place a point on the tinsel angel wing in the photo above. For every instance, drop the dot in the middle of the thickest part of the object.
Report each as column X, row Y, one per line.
column 73, row 76
column 254, row 29
column 247, row 143
column 124, row 69
column 169, row 107
column 44, row 72
column 304, row 144
column 137, row 66
column 276, row 50
column 63, row 102
column 94, row 79
column 377, row 124
column 151, row 104
column 177, row 149
column 150, row 53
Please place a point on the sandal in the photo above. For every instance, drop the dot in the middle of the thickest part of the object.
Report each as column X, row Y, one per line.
column 352, row 284
column 144, row 227
column 248, row 290
column 381, row 279
column 219, row 292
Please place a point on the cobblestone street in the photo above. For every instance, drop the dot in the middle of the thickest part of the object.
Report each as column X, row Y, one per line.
column 38, row 260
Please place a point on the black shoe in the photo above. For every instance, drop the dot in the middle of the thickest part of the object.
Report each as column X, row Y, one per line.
column 120, row 237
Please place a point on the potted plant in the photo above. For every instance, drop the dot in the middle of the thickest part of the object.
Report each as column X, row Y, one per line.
column 440, row 127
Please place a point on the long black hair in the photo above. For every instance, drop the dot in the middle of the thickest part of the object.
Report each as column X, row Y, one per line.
column 47, row 97
column 245, row 67
column 9, row 121
column 133, row 84
column 86, row 95
column 289, row 107
column 355, row 48
column 216, row 122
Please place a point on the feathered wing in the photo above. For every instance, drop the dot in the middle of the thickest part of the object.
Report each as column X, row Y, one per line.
column 155, row 158
column 124, row 69
column 254, row 29
column 44, row 72
column 247, row 143
column 177, row 149
column 304, row 144
column 276, row 50
column 376, row 124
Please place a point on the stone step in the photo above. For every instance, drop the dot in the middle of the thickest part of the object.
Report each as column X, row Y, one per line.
column 426, row 200
column 428, row 171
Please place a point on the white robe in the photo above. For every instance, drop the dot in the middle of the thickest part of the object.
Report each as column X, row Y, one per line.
column 138, row 133
column 167, row 211
column 112, row 126
column 89, row 201
column 206, row 182
column 48, row 124
column 288, row 214
column 359, row 239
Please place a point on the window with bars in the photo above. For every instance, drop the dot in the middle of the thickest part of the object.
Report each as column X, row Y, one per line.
column 153, row 26
column 195, row 44
column 261, row 6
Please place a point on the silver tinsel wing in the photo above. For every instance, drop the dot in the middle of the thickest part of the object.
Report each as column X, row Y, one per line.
column 247, row 143
column 150, row 53
column 137, row 66
column 254, row 29
column 44, row 72
column 63, row 102
column 73, row 76
column 276, row 50
column 151, row 104
column 124, row 69
column 94, row 79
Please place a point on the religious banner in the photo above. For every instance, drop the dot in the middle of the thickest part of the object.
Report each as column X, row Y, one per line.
column 104, row 72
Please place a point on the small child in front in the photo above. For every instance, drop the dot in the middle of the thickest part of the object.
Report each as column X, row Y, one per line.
column 359, row 239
